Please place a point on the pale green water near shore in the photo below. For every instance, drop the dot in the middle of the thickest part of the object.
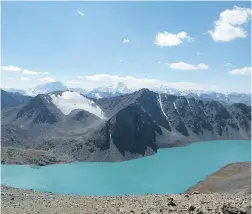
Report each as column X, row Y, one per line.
column 171, row 170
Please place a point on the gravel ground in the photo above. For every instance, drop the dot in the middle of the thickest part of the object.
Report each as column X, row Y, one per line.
column 19, row 201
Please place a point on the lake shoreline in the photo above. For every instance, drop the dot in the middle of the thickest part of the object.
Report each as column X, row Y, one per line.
column 197, row 198
column 230, row 173
column 33, row 157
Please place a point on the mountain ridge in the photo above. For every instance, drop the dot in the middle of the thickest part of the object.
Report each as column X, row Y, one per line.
column 134, row 125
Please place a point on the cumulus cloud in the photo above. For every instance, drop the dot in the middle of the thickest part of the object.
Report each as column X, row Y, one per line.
column 80, row 13
column 187, row 66
column 126, row 41
column 169, row 39
column 241, row 71
column 11, row 68
column 25, row 79
column 229, row 25
column 47, row 79
column 96, row 80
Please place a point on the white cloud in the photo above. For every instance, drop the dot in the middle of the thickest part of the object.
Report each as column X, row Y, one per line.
column 241, row 71
column 137, row 83
column 229, row 65
column 120, row 60
column 186, row 66
column 80, row 77
column 28, row 72
column 25, row 79
column 228, row 26
column 47, row 79
column 169, row 39
column 126, row 41
column 73, row 82
column 11, row 68
column 80, row 13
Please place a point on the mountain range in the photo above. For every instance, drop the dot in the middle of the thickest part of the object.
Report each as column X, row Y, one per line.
column 119, row 88
column 75, row 127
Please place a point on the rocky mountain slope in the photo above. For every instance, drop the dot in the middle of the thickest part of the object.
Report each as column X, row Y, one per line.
column 234, row 177
column 119, row 128
column 28, row 201
column 10, row 99
column 14, row 90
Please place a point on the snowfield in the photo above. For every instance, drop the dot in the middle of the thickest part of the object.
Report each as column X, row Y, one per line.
column 69, row 101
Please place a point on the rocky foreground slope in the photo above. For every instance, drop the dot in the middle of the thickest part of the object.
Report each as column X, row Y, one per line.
column 226, row 199
column 234, row 177
column 73, row 127
column 27, row 201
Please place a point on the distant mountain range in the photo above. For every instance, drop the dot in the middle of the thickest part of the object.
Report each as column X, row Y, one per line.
column 13, row 90
column 109, row 91
column 70, row 124
column 120, row 88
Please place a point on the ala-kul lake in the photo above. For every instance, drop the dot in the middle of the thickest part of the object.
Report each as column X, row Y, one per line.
column 171, row 170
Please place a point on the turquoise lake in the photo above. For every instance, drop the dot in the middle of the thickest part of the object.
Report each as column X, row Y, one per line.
column 171, row 170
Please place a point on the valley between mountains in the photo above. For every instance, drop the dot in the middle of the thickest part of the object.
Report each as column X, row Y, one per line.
column 67, row 126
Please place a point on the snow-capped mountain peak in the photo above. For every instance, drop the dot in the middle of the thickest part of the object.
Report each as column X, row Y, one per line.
column 47, row 88
column 117, row 87
column 166, row 89
column 120, row 87
column 114, row 89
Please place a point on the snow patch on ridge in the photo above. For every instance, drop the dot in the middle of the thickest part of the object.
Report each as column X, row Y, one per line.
column 69, row 101
column 175, row 106
column 161, row 106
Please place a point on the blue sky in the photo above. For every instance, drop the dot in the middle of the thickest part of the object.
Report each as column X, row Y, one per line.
column 46, row 41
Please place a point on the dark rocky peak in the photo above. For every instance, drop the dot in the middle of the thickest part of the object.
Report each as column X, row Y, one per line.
column 246, row 110
column 80, row 115
column 145, row 92
column 20, row 97
column 40, row 109
column 133, row 130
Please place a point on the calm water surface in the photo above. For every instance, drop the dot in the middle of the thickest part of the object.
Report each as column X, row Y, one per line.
column 171, row 170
